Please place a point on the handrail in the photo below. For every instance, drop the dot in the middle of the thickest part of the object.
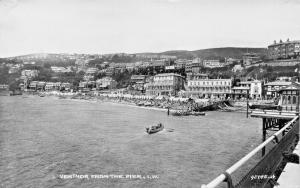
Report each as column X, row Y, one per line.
column 221, row 178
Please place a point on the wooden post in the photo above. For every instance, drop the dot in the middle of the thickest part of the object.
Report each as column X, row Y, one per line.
column 297, row 107
column 264, row 132
column 247, row 102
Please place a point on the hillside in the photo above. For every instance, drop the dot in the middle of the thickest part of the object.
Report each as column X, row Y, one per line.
column 213, row 52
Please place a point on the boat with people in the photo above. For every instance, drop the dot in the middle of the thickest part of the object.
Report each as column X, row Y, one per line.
column 155, row 128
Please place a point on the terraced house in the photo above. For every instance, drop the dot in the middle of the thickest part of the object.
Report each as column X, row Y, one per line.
column 284, row 50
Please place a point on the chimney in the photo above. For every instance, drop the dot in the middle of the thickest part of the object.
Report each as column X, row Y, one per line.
column 288, row 40
column 274, row 41
column 280, row 41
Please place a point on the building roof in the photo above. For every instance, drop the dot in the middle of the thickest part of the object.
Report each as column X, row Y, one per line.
column 216, row 79
column 138, row 76
column 168, row 74
column 287, row 42
column 292, row 87
column 278, row 83
column 249, row 82
column 240, row 88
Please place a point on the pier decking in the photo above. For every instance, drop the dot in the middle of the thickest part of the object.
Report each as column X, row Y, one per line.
column 289, row 177
column 273, row 114
column 286, row 125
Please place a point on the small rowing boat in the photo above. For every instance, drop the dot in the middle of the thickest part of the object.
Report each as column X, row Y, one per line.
column 154, row 128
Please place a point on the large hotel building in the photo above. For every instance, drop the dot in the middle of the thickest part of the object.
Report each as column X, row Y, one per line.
column 284, row 50
column 199, row 85
column 168, row 84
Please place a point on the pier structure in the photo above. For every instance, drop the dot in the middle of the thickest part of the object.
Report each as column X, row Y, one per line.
column 285, row 123
column 290, row 174
column 273, row 121
column 269, row 165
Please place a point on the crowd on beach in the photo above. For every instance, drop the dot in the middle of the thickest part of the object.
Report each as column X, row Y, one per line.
column 163, row 102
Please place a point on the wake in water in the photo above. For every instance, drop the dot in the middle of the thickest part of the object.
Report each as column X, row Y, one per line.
column 169, row 130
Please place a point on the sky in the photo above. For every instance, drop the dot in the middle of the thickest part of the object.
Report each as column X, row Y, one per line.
column 134, row 26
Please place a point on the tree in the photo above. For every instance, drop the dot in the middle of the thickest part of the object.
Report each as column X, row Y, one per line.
column 15, row 85
column 4, row 75
column 44, row 75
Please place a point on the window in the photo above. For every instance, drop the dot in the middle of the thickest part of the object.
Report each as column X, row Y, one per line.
column 294, row 100
column 284, row 99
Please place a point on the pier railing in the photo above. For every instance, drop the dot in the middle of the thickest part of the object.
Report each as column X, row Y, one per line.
column 226, row 176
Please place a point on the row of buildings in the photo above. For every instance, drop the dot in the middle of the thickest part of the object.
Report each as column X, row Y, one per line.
column 200, row 86
column 284, row 50
column 195, row 85
column 47, row 86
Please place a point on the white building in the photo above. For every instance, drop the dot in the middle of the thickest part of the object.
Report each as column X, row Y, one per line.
column 214, row 63
column 237, row 67
column 165, row 84
column 51, row 86
column 106, row 83
column 208, row 88
column 272, row 88
column 29, row 73
column 60, row 69
column 254, row 89
column 91, row 70
column 90, row 74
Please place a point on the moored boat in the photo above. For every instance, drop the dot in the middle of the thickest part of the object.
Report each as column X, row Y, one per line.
column 42, row 95
column 140, row 104
column 15, row 92
column 263, row 106
column 180, row 113
column 197, row 113
column 62, row 97
column 148, row 104
column 154, row 128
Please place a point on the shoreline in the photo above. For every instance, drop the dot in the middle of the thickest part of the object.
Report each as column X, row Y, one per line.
column 156, row 104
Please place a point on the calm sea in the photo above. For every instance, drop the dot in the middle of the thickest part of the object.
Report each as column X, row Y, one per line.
column 44, row 138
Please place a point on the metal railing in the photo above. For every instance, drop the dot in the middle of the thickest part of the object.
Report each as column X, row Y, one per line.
column 224, row 177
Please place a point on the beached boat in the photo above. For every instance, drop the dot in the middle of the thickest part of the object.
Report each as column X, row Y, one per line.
column 197, row 113
column 154, row 128
column 140, row 104
column 180, row 113
column 148, row 104
column 263, row 106
column 62, row 97
column 188, row 113
column 15, row 92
